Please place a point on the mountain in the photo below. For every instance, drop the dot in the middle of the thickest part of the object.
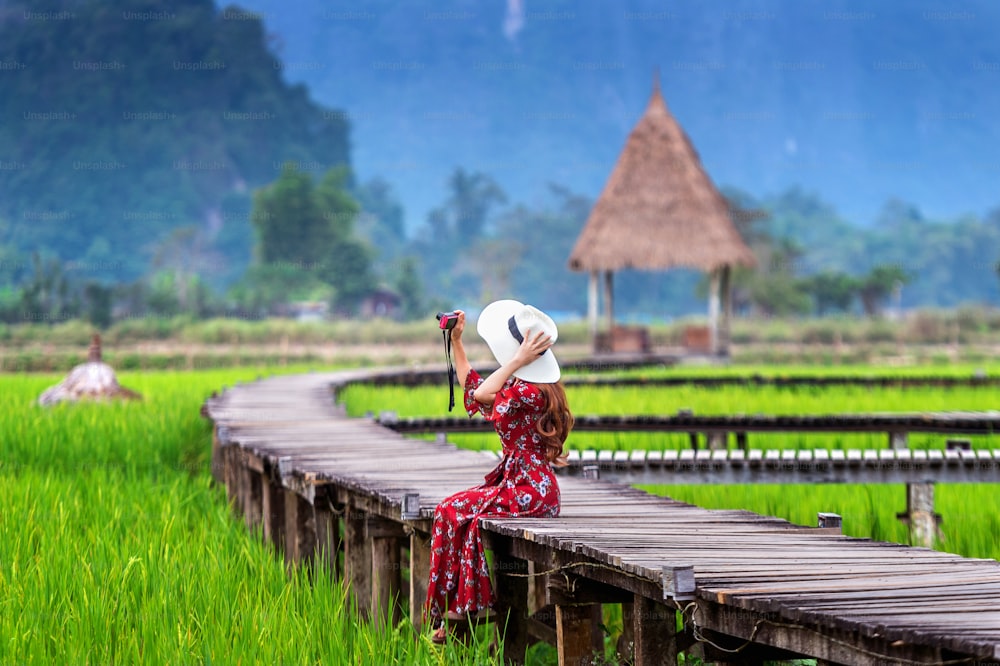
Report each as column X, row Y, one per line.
column 125, row 125
column 859, row 102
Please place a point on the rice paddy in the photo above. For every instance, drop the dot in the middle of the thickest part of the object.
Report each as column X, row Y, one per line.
column 116, row 546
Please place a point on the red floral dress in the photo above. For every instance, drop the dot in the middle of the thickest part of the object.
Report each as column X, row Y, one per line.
column 522, row 485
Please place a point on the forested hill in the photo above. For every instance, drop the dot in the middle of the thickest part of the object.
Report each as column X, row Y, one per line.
column 123, row 120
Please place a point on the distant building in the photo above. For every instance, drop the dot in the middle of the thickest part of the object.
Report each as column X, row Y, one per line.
column 383, row 302
column 308, row 310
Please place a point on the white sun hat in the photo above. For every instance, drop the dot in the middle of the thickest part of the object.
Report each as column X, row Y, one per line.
column 503, row 325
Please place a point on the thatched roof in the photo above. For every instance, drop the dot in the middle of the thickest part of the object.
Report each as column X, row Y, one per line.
column 659, row 209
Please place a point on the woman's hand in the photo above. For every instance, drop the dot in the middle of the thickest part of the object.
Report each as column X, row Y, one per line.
column 459, row 328
column 533, row 346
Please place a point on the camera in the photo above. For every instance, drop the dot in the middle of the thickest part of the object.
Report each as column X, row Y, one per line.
column 447, row 320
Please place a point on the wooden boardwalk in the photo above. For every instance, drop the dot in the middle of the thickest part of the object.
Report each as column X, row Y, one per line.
column 358, row 497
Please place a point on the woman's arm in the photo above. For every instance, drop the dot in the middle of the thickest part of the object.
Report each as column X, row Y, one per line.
column 532, row 346
column 462, row 365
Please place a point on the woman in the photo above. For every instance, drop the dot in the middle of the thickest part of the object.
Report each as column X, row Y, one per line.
column 528, row 408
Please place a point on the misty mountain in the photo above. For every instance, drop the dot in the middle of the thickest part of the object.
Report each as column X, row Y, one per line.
column 137, row 130
column 856, row 101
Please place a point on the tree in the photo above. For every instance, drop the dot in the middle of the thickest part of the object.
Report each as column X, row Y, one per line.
column 48, row 295
column 472, row 197
column 453, row 229
column 407, row 285
column 381, row 219
column 832, row 291
column 305, row 233
column 878, row 285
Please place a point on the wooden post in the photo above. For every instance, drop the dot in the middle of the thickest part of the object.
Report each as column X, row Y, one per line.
column 420, row 571
column 511, row 598
column 726, row 294
column 574, row 633
column 592, row 306
column 358, row 560
column 655, row 628
column 385, row 580
column 250, row 489
column 609, row 304
column 713, row 311
column 219, row 438
column 327, row 536
column 625, row 648
column 898, row 439
column 716, row 440
column 829, row 521
column 536, row 586
column 920, row 516
column 300, row 528
column 230, row 460
column 272, row 509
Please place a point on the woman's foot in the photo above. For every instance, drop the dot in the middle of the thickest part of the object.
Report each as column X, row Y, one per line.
column 455, row 626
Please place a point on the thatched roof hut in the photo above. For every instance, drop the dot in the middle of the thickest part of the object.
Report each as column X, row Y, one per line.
column 659, row 210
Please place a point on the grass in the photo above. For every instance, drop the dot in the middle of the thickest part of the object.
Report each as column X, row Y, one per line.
column 116, row 546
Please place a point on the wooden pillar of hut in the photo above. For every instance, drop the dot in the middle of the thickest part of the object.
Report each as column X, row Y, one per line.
column 592, row 305
column 714, row 280
column 609, row 304
column 726, row 296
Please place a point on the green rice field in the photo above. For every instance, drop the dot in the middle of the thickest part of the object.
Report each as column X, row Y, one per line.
column 116, row 547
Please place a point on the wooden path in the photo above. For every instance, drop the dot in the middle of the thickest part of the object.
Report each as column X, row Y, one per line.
column 358, row 497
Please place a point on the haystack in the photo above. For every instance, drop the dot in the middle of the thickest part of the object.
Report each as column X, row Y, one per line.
column 659, row 210
column 93, row 380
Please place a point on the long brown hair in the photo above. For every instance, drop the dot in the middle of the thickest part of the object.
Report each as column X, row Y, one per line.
column 555, row 422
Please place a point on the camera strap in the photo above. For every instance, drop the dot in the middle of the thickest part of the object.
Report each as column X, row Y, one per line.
column 451, row 368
